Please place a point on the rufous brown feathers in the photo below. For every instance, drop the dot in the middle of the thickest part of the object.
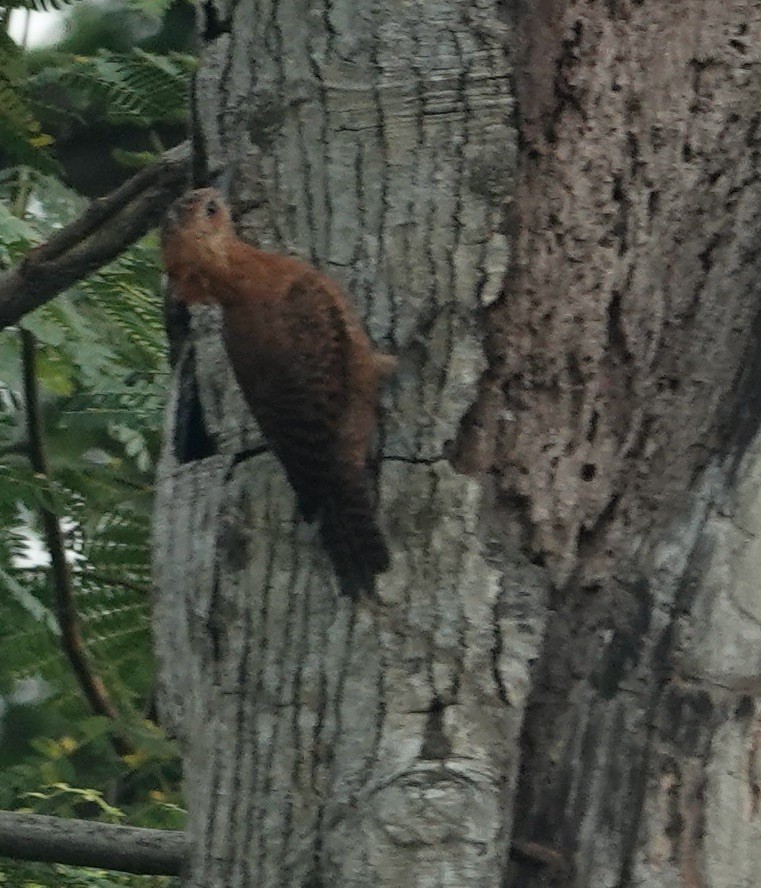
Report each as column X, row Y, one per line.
column 306, row 367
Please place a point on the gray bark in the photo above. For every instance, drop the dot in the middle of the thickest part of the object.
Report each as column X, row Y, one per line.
column 326, row 741
column 564, row 659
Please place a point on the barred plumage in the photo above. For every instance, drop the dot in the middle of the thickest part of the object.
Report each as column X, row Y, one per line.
column 306, row 368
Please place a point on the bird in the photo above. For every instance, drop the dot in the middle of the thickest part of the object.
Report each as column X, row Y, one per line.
column 306, row 367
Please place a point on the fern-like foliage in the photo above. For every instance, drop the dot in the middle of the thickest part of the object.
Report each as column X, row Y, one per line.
column 21, row 136
column 103, row 378
column 38, row 5
column 136, row 87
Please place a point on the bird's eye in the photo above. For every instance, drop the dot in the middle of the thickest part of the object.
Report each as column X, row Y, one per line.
column 211, row 208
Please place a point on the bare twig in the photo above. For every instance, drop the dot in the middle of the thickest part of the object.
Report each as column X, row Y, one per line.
column 108, row 226
column 127, row 849
column 68, row 619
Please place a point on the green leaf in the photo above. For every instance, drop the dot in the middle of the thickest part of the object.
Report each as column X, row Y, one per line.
column 21, row 136
column 14, row 230
column 137, row 87
column 133, row 159
column 28, row 602
column 55, row 373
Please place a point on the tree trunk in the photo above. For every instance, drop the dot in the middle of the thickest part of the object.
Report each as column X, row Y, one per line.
column 565, row 470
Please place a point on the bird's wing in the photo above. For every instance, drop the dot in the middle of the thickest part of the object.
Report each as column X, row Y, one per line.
column 299, row 390
column 340, row 492
column 302, row 413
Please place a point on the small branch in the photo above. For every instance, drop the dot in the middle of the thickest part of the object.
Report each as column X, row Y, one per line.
column 66, row 610
column 539, row 855
column 106, row 228
column 128, row 849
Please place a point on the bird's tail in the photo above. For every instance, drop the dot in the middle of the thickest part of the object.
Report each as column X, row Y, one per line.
column 352, row 538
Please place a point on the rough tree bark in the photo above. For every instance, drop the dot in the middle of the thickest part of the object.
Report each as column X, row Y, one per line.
column 558, row 686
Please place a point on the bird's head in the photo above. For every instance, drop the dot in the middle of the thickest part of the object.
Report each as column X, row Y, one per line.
column 196, row 231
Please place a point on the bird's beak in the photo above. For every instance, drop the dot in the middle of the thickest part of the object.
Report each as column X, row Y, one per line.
column 177, row 212
column 172, row 217
column 222, row 181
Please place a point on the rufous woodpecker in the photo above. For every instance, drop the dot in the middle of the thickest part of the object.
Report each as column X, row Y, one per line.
column 307, row 370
